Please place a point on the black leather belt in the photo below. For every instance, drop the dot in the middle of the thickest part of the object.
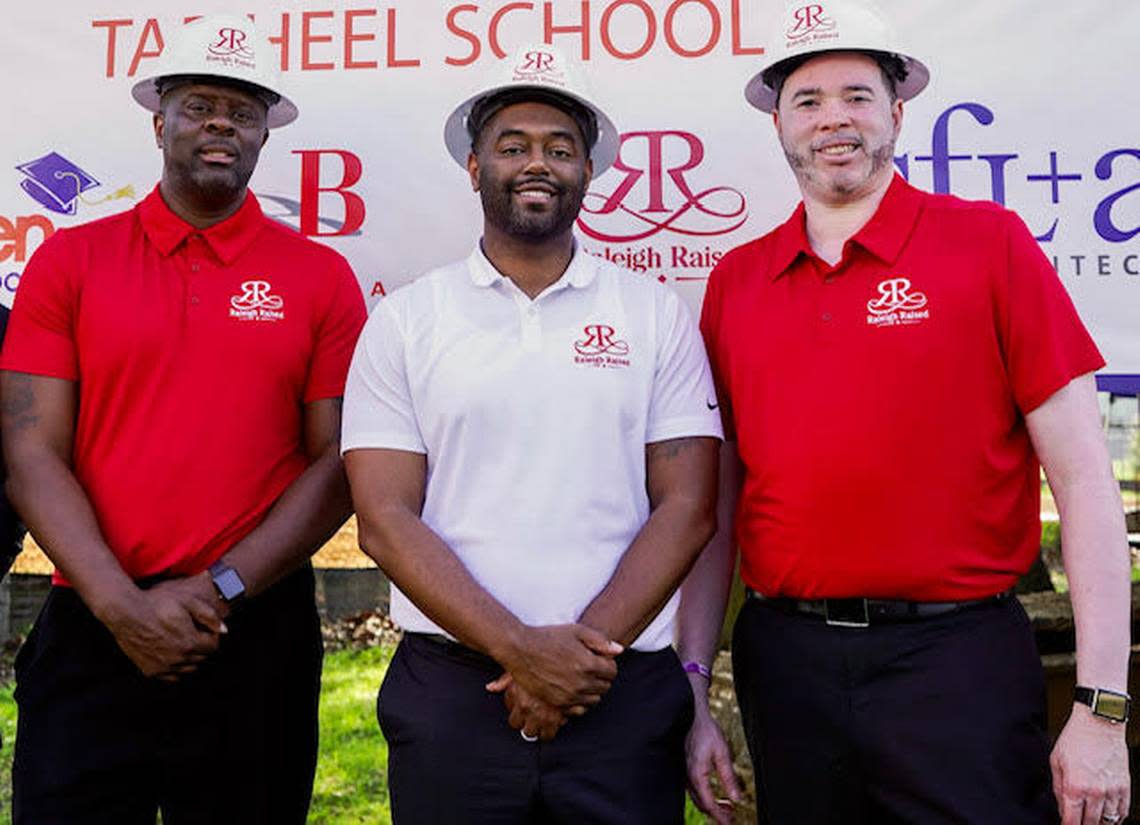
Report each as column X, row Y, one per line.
column 866, row 612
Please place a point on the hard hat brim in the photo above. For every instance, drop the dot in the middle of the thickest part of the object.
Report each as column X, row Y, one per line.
column 764, row 97
column 281, row 113
column 455, row 135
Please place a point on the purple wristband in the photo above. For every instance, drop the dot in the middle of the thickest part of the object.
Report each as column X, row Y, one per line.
column 697, row 667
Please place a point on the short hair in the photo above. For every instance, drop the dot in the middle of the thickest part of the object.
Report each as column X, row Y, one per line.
column 891, row 66
column 171, row 82
column 487, row 107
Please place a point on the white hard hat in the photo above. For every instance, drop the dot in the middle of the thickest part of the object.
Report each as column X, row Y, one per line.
column 225, row 47
column 808, row 28
column 544, row 70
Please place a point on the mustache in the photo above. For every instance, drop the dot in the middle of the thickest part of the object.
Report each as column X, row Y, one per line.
column 545, row 183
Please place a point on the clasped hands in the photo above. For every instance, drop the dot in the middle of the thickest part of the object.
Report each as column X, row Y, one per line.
column 169, row 629
column 559, row 671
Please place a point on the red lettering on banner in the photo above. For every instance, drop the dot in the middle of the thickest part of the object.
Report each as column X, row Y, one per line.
column 150, row 29
column 282, row 41
column 378, row 289
column 650, row 27
column 714, row 34
column 393, row 61
column 453, row 27
column 496, row 19
column 351, row 36
column 737, row 48
column 311, row 189
column 14, row 237
column 308, row 38
column 112, row 27
column 549, row 29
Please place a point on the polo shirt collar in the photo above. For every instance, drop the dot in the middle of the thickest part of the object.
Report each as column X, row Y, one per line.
column 581, row 271
column 226, row 239
column 884, row 235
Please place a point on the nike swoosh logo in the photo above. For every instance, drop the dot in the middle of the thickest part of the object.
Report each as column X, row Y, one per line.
column 711, row 405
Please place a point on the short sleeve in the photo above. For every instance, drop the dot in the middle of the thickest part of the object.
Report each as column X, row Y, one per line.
column 378, row 411
column 1046, row 345
column 683, row 402
column 337, row 332
column 41, row 332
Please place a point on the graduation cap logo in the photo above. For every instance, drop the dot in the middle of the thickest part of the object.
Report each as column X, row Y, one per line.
column 57, row 184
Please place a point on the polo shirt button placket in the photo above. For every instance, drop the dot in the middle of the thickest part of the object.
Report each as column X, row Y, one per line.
column 531, row 329
column 828, row 323
column 194, row 252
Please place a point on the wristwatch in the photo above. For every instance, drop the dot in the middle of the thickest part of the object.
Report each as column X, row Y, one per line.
column 1108, row 704
column 230, row 587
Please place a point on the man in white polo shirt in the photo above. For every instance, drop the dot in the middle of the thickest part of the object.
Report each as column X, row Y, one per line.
column 532, row 452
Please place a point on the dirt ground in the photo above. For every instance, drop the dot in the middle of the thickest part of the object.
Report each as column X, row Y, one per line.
column 340, row 551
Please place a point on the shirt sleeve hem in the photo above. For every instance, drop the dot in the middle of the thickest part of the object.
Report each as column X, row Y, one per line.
column 381, row 441
column 684, row 428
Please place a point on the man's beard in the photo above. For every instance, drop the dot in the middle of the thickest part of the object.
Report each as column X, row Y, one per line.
column 808, row 174
column 502, row 212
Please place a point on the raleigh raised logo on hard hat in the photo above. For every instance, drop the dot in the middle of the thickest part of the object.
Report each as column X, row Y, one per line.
column 810, row 25
column 230, row 49
column 539, row 67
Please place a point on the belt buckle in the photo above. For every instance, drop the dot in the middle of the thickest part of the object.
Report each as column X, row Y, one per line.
column 846, row 613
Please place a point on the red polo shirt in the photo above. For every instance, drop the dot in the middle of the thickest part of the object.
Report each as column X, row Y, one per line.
column 879, row 405
column 194, row 352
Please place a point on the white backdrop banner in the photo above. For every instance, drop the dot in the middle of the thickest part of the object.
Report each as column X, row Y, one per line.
column 1030, row 104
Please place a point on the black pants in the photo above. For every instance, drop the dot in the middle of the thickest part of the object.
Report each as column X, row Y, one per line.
column 454, row 760
column 939, row 720
column 232, row 744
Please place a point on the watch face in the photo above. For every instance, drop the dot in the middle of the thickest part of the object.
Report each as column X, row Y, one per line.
column 229, row 584
column 1111, row 705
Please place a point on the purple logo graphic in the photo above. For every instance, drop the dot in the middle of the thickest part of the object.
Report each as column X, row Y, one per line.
column 55, row 183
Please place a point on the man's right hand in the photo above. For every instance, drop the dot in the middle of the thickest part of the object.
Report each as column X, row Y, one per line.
column 562, row 665
column 166, row 631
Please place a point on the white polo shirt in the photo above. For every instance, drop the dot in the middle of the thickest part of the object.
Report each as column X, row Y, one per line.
column 534, row 416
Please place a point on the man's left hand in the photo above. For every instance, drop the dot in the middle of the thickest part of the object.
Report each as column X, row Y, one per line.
column 1090, row 770
column 530, row 715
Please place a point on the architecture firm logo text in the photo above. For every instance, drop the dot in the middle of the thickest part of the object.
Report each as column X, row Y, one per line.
column 601, row 347
column 57, row 184
column 257, row 303
column 897, row 304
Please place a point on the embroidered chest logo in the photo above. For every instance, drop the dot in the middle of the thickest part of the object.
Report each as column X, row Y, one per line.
column 601, row 347
column 257, row 303
column 897, row 305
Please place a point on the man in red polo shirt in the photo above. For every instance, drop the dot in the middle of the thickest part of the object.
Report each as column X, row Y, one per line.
column 895, row 367
column 171, row 408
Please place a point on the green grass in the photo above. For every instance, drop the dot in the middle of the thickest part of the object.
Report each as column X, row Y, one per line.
column 8, row 731
column 351, row 785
